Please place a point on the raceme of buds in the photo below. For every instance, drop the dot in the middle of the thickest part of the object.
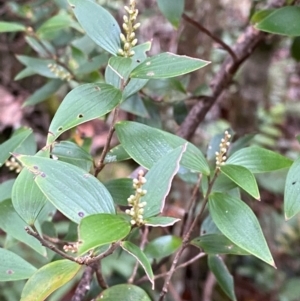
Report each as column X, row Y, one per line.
column 60, row 72
column 13, row 164
column 128, row 39
column 221, row 154
column 134, row 201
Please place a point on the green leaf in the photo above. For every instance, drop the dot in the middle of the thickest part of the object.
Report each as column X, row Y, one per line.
column 99, row 24
column 291, row 192
column 295, row 49
column 44, row 92
column 13, row 267
column 284, row 21
column 48, row 279
column 138, row 140
column 120, row 190
column 224, row 278
column 217, row 244
column 11, row 27
column 6, row 189
column 258, row 159
column 116, row 154
column 11, row 144
column 161, row 221
column 26, row 72
column 172, row 11
column 12, row 224
column 260, row 15
column 239, row 224
column 135, row 105
column 39, row 66
column 140, row 256
column 92, row 64
column 123, row 292
column 70, row 152
column 84, row 103
column 162, row 246
column 159, row 179
column 242, row 177
column 70, row 189
column 101, row 229
column 166, row 65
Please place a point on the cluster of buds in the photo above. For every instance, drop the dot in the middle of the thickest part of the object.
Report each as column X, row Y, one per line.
column 73, row 247
column 134, row 201
column 129, row 40
column 60, row 72
column 221, row 154
column 13, row 164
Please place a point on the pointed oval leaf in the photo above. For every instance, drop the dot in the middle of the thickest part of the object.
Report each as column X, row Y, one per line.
column 147, row 145
column 217, row 244
column 116, row 154
column 12, row 143
column 82, row 104
column 161, row 221
column 11, row 27
column 99, row 24
column 13, row 267
column 101, row 229
column 70, row 189
column 123, row 292
column 166, row 65
column 6, row 189
column 12, row 224
column 48, row 279
column 284, row 21
column 258, row 159
column 224, row 278
column 172, row 11
column 162, row 246
column 159, row 179
column 291, row 191
column 239, row 224
column 140, row 256
column 242, row 177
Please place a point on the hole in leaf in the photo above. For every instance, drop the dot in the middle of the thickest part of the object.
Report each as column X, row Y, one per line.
column 294, row 183
column 80, row 116
column 43, row 175
column 9, row 272
column 97, row 88
column 81, row 214
column 59, row 129
column 138, row 61
column 35, row 167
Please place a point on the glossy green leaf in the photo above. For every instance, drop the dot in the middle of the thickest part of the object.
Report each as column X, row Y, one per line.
column 166, row 65
column 140, row 256
column 138, row 140
column 239, row 224
column 291, row 192
column 101, row 229
column 12, row 224
column 123, row 292
column 284, row 21
column 39, row 66
column 98, row 23
column 161, row 221
column 260, row 15
column 44, row 92
column 172, row 11
column 48, row 279
column 242, row 177
column 11, row 27
column 11, row 144
column 135, row 105
column 116, row 154
column 26, row 72
column 159, row 179
column 224, row 278
column 258, row 159
column 84, row 103
column 217, row 244
column 120, row 190
column 6, row 189
column 162, row 246
column 70, row 189
column 70, row 152
column 13, row 267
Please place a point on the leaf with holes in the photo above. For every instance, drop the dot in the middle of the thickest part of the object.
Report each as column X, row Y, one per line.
column 52, row 276
column 84, row 103
column 70, row 189
column 101, row 229
column 13, row 267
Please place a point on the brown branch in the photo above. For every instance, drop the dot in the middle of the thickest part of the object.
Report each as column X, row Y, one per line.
column 110, row 250
column 210, row 34
column 99, row 276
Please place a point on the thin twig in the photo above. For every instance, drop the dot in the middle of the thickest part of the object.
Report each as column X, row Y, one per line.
column 84, row 284
column 99, row 276
column 110, row 250
column 210, row 34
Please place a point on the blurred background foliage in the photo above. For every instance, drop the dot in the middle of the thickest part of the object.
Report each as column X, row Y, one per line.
column 261, row 107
